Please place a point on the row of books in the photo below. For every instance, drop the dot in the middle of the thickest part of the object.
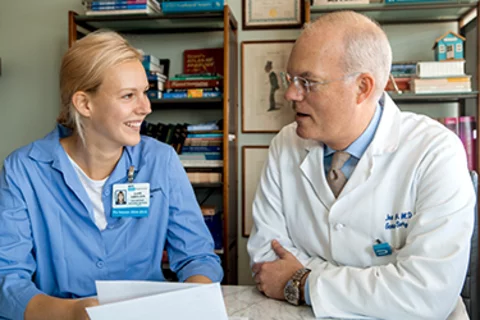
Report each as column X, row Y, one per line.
column 465, row 127
column 121, row 7
column 127, row 7
column 354, row 2
column 195, row 148
column 426, row 77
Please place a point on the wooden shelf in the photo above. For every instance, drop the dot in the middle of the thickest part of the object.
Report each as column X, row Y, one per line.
column 207, row 185
column 405, row 13
column 187, row 103
column 409, row 97
column 156, row 23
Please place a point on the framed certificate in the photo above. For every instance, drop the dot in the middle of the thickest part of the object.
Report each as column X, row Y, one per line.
column 253, row 160
column 272, row 14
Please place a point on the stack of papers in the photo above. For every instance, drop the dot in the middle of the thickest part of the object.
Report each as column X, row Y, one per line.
column 148, row 300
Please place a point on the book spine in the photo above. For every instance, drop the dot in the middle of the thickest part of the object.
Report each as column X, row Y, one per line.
column 118, row 7
column 152, row 59
column 452, row 124
column 181, row 95
column 192, row 6
column 155, row 94
column 205, row 135
column 196, row 91
column 466, row 128
column 106, row 3
column 201, row 149
column 187, row 84
column 155, row 85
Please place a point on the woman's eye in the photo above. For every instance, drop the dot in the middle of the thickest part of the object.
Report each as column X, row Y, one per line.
column 128, row 96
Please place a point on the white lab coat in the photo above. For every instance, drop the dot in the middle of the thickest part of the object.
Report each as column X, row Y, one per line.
column 411, row 188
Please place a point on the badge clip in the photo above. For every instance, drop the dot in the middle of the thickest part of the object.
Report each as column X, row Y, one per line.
column 382, row 249
column 130, row 174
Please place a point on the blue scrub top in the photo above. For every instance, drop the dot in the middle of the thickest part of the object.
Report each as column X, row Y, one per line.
column 49, row 242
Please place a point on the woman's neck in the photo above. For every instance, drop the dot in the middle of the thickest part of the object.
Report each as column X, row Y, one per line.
column 97, row 163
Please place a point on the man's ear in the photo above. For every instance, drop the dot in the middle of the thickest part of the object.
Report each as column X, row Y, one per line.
column 82, row 102
column 365, row 87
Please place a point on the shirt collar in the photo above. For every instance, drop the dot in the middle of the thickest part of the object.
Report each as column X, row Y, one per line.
column 49, row 150
column 358, row 147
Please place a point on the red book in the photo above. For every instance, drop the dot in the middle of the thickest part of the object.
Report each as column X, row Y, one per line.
column 203, row 61
column 187, row 84
column 466, row 129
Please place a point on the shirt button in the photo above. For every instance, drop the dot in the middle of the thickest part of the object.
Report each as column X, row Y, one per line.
column 339, row 226
column 100, row 264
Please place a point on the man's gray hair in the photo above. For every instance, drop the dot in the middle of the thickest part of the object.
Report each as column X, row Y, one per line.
column 366, row 45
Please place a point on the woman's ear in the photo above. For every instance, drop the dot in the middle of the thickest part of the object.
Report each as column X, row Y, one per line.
column 82, row 103
column 365, row 87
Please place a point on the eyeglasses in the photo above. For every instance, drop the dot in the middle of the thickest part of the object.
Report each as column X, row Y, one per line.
column 304, row 86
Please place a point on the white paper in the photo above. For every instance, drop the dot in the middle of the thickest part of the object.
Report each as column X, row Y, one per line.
column 116, row 291
column 176, row 301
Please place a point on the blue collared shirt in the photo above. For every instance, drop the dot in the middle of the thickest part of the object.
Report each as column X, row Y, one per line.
column 49, row 242
column 356, row 150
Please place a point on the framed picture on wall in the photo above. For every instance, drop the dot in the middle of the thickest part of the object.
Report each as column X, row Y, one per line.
column 253, row 159
column 264, row 108
column 272, row 14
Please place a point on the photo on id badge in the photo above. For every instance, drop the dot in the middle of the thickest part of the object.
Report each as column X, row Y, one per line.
column 120, row 197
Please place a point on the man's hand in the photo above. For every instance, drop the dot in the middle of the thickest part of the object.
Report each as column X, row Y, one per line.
column 271, row 277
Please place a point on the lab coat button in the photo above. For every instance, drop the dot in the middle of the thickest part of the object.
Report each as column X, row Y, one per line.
column 339, row 226
column 100, row 264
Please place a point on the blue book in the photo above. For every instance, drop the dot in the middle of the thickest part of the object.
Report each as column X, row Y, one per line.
column 151, row 59
column 214, row 224
column 201, row 149
column 204, row 135
column 182, row 95
column 192, row 6
column 114, row 2
column 118, row 7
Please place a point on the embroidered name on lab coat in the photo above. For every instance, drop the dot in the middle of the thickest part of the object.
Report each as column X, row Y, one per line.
column 397, row 220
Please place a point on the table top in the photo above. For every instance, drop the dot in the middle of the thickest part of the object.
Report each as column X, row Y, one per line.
column 247, row 302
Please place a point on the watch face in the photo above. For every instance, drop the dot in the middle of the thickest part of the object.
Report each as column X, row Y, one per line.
column 292, row 293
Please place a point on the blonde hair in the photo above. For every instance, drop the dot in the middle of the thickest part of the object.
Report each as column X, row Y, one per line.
column 83, row 68
column 366, row 45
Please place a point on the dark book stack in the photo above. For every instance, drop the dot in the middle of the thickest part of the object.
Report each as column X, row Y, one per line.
column 171, row 134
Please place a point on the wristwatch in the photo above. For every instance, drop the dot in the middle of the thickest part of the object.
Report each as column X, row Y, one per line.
column 292, row 290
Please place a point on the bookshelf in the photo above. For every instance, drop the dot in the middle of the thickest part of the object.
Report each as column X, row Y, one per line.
column 198, row 23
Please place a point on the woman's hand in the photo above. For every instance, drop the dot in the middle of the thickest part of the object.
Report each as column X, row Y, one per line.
column 78, row 311
column 45, row 307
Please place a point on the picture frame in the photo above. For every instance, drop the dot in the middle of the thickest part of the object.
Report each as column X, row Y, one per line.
column 268, row 14
column 264, row 108
column 253, row 161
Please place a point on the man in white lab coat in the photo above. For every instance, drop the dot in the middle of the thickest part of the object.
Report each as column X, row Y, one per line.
column 394, row 241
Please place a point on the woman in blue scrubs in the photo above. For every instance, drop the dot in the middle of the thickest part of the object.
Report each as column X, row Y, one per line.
column 60, row 227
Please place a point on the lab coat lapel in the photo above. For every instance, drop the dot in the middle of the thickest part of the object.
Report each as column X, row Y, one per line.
column 385, row 141
column 313, row 171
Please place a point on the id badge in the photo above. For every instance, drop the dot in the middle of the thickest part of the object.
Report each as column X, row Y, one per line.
column 130, row 200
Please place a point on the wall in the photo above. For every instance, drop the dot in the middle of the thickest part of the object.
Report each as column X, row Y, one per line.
column 33, row 37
